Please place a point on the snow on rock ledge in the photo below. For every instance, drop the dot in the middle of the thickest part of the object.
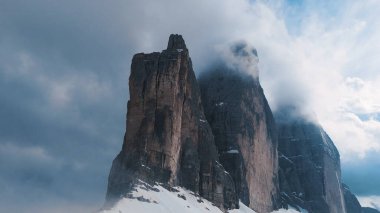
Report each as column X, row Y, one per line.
column 158, row 199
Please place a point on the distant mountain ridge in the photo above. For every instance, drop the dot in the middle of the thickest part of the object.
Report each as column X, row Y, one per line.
column 220, row 140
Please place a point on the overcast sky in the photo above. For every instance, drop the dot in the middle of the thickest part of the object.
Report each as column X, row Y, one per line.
column 64, row 68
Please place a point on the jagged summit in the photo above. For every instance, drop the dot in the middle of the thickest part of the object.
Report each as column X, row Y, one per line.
column 168, row 139
column 245, row 135
column 220, row 140
column 176, row 42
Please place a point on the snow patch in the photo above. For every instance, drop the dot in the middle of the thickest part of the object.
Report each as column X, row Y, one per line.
column 243, row 209
column 290, row 210
column 162, row 200
column 286, row 158
column 158, row 199
column 145, row 166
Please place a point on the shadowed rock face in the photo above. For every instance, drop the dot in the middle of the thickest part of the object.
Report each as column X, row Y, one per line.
column 369, row 210
column 168, row 139
column 245, row 134
column 221, row 141
column 352, row 203
column 310, row 175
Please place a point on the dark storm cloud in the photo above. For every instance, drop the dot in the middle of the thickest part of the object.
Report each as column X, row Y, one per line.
column 64, row 69
column 81, row 34
column 58, row 130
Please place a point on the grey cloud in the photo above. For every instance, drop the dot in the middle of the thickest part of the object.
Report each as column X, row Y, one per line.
column 362, row 175
column 76, row 45
column 243, row 57
column 64, row 68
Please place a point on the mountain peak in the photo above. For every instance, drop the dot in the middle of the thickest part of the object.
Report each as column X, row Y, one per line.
column 168, row 139
column 176, row 42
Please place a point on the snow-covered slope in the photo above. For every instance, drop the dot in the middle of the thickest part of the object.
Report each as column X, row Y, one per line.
column 157, row 199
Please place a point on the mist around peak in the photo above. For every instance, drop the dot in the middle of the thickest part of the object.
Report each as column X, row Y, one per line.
column 238, row 56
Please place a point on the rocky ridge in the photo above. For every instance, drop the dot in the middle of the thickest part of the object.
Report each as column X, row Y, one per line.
column 220, row 140
column 310, row 174
column 352, row 203
column 245, row 134
column 168, row 139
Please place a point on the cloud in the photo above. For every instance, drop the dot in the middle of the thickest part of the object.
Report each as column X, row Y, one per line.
column 239, row 56
column 64, row 70
column 370, row 201
column 328, row 66
column 361, row 175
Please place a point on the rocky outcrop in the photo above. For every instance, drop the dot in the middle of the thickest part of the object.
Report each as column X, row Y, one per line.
column 245, row 132
column 369, row 210
column 221, row 140
column 352, row 203
column 167, row 138
column 310, row 175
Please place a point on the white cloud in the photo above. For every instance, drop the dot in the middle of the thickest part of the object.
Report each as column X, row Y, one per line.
column 326, row 68
column 370, row 201
column 326, row 60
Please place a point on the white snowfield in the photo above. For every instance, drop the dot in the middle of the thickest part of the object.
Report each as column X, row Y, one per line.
column 161, row 200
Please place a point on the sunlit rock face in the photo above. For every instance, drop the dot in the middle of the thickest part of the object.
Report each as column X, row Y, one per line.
column 168, row 138
column 310, row 174
column 245, row 132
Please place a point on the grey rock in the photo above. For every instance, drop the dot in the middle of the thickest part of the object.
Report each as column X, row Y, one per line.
column 221, row 140
column 369, row 210
column 168, row 139
column 245, row 134
column 310, row 175
column 352, row 203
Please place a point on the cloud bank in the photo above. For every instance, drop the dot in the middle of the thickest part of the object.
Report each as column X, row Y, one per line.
column 64, row 70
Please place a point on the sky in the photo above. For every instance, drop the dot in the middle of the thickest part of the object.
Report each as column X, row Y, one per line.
column 64, row 68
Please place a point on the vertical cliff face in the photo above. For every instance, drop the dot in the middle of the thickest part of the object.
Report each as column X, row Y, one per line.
column 167, row 138
column 369, row 210
column 245, row 134
column 352, row 203
column 310, row 174
column 220, row 140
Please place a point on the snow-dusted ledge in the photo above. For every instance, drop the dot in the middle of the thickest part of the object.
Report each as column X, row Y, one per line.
column 157, row 199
